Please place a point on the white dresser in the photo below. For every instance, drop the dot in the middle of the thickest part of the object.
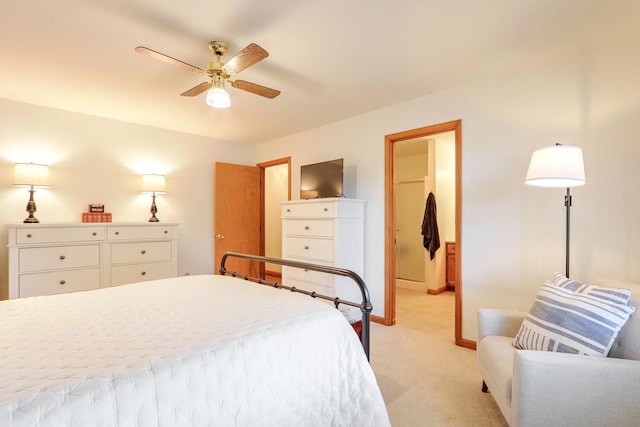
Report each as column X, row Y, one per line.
column 328, row 232
column 47, row 259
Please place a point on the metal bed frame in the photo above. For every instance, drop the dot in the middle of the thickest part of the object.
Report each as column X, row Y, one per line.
column 364, row 306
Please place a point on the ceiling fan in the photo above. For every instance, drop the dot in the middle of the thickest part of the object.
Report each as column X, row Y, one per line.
column 220, row 72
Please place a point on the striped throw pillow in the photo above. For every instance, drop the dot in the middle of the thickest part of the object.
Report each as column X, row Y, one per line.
column 617, row 295
column 569, row 322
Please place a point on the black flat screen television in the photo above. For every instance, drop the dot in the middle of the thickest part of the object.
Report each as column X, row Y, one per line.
column 322, row 179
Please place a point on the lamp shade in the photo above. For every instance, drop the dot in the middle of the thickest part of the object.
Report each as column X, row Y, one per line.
column 153, row 183
column 30, row 174
column 218, row 97
column 556, row 166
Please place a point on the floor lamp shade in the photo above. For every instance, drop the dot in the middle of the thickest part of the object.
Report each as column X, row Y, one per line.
column 557, row 166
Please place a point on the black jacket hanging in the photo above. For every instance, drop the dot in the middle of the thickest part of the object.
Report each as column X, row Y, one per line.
column 431, row 237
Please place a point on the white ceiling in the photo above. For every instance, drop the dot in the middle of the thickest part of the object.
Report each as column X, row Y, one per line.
column 332, row 59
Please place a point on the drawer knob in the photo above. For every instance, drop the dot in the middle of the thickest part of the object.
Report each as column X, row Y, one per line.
column 143, row 252
column 143, row 273
column 117, row 233
column 306, row 227
column 62, row 282
column 166, row 231
column 306, row 246
column 326, row 209
column 62, row 257
column 288, row 210
column 94, row 234
column 29, row 236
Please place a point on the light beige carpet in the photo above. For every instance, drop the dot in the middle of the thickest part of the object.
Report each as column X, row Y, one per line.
column 425, row 379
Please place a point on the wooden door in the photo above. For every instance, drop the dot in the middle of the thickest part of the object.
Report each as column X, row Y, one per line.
column 237, row 212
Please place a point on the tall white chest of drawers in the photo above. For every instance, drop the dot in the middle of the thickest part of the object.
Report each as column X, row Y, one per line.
column 329, row 232
column 47, row 259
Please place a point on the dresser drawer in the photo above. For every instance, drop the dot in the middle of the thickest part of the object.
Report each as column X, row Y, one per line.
column 309, row 209
column 317, row 277
column 140, row 252
column 58, row 257
column 308, row 227
column 141, row 232
column 308, row 248
column 327, row 291
column 59, row 234
column 58, row 282
column 123, row 274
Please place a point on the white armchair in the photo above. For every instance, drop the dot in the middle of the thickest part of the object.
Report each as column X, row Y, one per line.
column 540, row 388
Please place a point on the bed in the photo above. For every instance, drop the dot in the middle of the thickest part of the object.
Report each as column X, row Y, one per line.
column 196, row 350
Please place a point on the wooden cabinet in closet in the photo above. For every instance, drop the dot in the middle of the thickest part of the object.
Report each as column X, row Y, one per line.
column 451, row 264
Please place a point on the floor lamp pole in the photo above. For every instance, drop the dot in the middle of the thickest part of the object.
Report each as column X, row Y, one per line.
column 567, row 203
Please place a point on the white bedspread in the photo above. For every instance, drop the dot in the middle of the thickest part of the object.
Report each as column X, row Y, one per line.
column 197, row 350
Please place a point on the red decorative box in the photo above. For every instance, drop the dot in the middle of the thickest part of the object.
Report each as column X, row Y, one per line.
column 96, row 217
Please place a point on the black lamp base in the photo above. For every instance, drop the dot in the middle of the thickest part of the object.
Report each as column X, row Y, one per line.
column 154, row 209
column 31, row 208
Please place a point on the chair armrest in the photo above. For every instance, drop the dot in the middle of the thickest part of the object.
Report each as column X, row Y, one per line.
column 566, row 389
column 504, row 323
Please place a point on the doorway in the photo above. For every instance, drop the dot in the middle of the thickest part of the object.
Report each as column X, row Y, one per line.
column 391, row 218
column 424, row 167
column 410, row 262
column 276, row 188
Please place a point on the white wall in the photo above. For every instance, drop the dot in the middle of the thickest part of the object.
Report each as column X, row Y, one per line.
column 99, row 160
column 512, row 235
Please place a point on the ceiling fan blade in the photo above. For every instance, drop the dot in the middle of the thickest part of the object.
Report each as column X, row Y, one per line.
column 254, row 88
column 245, row 58
column 197, row 90
column 169, row 60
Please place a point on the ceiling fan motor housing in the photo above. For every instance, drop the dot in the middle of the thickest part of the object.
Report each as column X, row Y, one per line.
column 215, row 69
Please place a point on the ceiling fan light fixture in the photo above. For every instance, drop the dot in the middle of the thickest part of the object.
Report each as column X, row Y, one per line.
column 217, row 97
column 219, row 72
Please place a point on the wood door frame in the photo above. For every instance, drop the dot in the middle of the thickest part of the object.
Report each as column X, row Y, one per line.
column 263, row 166
column 390, row 220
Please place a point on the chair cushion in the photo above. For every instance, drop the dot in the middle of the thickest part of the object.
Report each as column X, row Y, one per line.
column 571, row 322
column 617, row 295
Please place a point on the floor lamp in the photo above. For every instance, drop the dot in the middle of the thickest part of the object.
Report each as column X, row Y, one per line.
column 558, row 166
